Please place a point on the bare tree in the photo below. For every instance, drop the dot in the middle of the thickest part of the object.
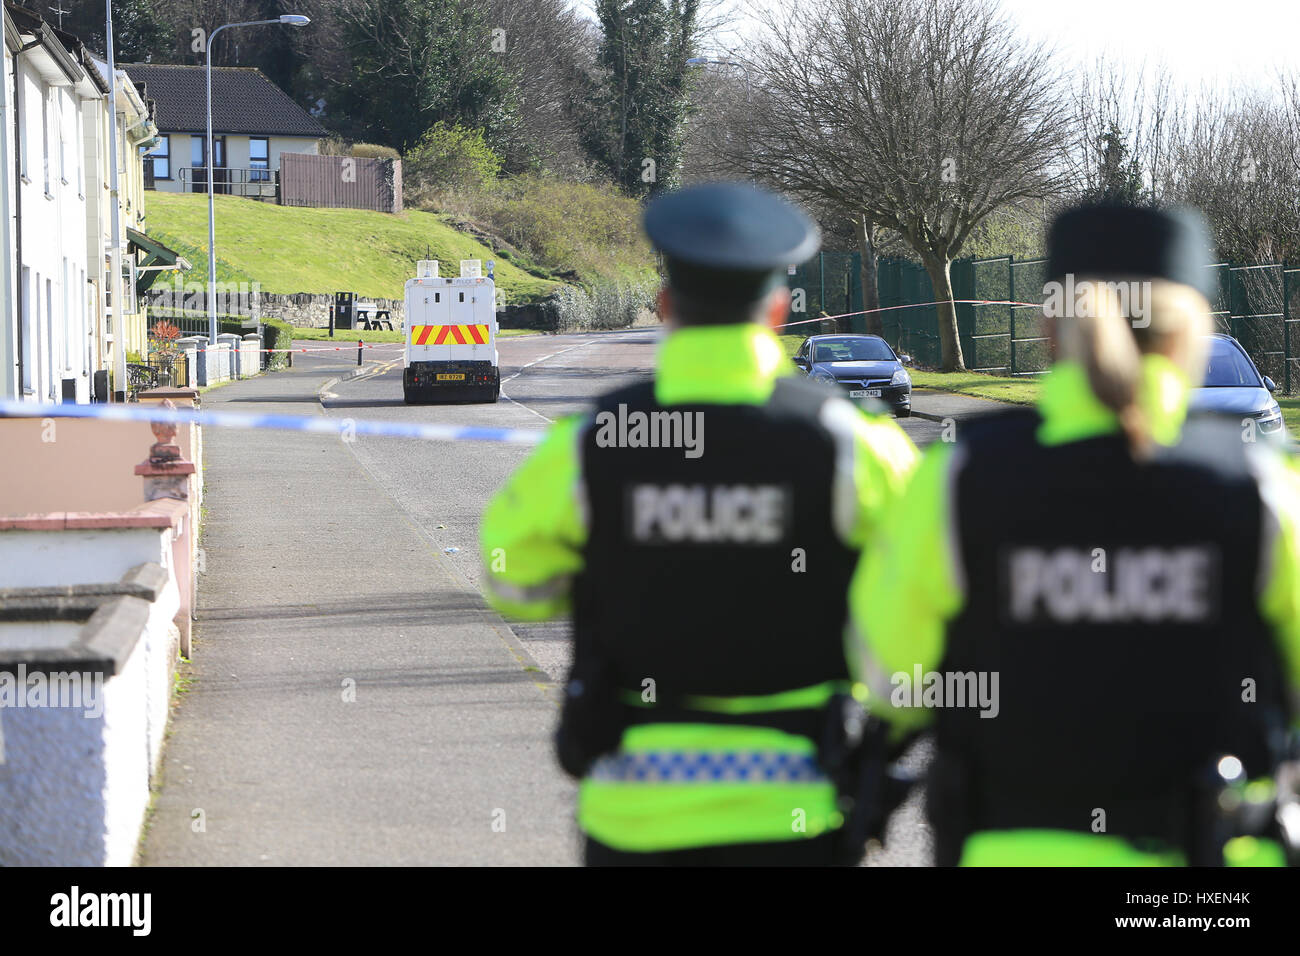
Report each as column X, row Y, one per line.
column 921, row 117
column 235, row 47
column 1126, row 128
column 552, row 52
column 1238, row 159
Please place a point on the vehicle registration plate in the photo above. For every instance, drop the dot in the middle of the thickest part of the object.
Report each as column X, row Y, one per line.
column 865, row 393
column 451, row 377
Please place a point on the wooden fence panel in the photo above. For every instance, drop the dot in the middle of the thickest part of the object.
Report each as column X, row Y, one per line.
column 340, row 182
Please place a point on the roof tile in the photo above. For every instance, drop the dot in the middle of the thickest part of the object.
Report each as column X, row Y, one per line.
column 243, row 101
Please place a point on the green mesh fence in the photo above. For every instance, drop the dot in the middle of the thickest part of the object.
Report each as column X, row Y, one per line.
column 1258, row 304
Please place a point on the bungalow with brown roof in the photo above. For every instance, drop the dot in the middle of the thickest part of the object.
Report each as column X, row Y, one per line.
column 253, row 123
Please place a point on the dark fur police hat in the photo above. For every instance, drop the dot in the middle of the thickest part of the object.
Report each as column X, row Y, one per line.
column 1113, row 239
column 728, row 242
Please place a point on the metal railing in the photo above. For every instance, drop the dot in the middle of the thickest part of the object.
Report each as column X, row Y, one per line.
column 232, row 181
column 156, row 371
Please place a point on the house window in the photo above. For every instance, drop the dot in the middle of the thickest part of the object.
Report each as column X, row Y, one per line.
column 49, row 338
column 29, row 328
column 45, row 138
column 67, row 317
column 129, row 275
column 63, row 140
column 21, row 96
column 81, row 152
column 162, row 158
column 198, row 155
column 259, row 156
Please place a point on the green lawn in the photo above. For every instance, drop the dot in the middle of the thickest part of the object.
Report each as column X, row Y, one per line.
column 1020, row 390
column 289, row 249
column 1024, row 391
column 1291, row 414
column 344, row 336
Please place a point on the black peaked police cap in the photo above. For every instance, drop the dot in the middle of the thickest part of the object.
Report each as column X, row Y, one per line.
column 1115, row 239
column 728, row 242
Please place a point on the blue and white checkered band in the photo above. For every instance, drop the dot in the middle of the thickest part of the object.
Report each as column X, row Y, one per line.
column 709, row 767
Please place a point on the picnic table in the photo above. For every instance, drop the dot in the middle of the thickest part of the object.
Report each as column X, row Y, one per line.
column 383, row 318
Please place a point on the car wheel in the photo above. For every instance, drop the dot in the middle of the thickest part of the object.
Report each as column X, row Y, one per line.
column 903, row 412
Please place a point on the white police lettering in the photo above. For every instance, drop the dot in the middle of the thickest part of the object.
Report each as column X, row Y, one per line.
column 732, row 514
column 1140, row 584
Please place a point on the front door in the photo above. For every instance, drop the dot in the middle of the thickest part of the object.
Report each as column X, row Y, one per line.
column 220, row 175
column 199, row 164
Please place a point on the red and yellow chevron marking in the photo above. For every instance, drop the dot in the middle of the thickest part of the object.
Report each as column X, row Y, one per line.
column 449, row 335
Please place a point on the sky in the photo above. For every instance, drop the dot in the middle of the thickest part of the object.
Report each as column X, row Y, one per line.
column 1222, row 42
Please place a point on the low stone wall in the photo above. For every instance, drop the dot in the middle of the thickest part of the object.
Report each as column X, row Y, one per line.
column 85, row 682
column 94, row 611
column 301, row 309
column 535, row 316
column 313, row 311
column 570, row 309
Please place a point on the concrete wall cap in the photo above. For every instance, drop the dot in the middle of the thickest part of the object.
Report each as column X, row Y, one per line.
column 90, row 520
column 175, row 394
column 102, row 645
column 113, row 630
column 146, row 581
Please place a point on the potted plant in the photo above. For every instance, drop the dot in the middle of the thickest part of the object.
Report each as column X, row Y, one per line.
column 165, row 351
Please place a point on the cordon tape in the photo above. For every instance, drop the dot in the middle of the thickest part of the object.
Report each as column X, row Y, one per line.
column 152, row 412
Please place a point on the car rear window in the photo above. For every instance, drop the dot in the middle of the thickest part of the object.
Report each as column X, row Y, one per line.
column 1228, row 367
column 852, row 350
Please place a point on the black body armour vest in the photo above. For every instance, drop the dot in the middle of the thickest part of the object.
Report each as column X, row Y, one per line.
column 1118, row 604
column 720, row 574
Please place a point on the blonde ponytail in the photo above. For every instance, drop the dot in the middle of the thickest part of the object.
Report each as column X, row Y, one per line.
column 1101, row 340
column 1108, row 342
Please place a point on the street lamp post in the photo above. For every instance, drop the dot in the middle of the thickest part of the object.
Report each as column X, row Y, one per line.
column 115, row 290
column 292, row 19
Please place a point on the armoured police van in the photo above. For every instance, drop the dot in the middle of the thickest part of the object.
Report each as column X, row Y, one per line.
column 451, row 336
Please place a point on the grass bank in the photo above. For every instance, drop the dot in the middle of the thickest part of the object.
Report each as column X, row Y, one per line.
column 289, row 249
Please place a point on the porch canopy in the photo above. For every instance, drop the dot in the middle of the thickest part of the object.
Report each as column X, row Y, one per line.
column 158, row 258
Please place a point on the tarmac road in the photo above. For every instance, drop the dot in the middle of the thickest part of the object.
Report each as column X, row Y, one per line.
column 354, row 700
column 544, row 378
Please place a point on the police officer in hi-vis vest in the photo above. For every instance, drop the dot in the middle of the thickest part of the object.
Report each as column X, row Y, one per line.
column 702, row 527
column 1124, row 579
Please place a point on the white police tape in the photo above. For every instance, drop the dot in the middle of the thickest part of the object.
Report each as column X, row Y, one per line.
column 915, row 305
column 330, row 348
column 150, row 412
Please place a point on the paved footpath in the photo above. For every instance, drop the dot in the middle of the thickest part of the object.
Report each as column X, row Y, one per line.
column 353, row 700
column 936, row 406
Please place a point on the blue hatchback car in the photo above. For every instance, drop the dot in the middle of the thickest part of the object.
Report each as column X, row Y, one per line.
column 1234, row 387
column 860, row 366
